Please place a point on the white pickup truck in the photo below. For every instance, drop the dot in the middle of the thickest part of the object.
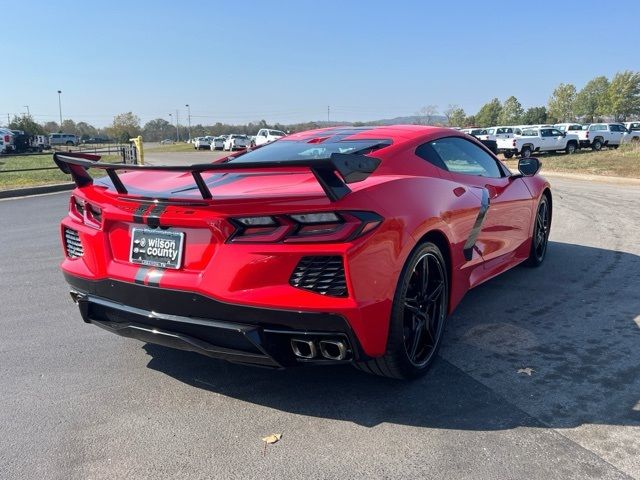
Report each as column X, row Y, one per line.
column 632, row 126
column 600, row 135
column 546, row 139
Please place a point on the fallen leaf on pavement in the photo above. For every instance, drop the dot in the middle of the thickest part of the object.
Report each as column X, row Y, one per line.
column 527, row 370
column 273, row 438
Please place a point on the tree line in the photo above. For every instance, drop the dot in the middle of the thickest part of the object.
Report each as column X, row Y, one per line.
column 600, row 98
column 617, row 99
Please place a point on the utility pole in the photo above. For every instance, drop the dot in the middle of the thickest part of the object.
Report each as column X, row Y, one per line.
column 328, row 113
column 28, row 112
column 178, row 124
column 189, row 118
column 60, row 107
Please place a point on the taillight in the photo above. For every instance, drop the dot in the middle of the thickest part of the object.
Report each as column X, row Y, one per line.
column 304, row 227
column 587, row 135
column 7, row 139
column 85, row 212
column 513, row 143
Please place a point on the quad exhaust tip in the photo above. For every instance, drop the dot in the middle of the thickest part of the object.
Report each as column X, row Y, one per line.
column 333, row 349
column 304, row 348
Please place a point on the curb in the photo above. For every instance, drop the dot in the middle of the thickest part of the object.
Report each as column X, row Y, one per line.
column 28, row 191
column 591, row 177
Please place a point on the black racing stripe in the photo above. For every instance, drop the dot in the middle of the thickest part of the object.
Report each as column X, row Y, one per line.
column 138, row 214
column 153, row 218
column 475, row 231
column 141, row 274
column 154, row 276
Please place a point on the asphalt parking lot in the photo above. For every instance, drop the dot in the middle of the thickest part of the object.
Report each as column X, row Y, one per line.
column 78, row 402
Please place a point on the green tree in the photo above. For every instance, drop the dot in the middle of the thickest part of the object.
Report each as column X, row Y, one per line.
column 511, row 113
column 124, row 127
column 69, row 126
column 535, row 116
column 624, row 95
column 489, row 114
column 456, row 117
column 592, row 100
column 158, row 129
column 561, row 102
column 469, row 121
column 27, row 124
column 85, row 130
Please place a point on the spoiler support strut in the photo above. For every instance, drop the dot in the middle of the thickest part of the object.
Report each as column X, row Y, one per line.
column 333, row 174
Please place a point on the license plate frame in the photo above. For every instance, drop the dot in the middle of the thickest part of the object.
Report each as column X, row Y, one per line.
column 140, row 240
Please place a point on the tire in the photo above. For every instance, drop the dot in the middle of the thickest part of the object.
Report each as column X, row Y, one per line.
column 571, row 148
column 525, row 152
column 596, row 145
column 540, row 237
column 69, row 144
column 417, row 317
column 508, row 154
column 615, row 146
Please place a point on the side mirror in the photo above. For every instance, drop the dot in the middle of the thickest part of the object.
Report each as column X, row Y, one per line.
column 564, row 134
column 528, row 167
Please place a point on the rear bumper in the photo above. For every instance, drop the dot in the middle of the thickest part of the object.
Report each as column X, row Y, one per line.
column 193, row 322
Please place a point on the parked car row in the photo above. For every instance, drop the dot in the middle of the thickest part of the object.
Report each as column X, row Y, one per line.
column 235, row 141
column 17, row 141
column 524, row 140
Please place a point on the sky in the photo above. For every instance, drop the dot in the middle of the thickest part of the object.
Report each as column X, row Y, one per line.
column 287, row 61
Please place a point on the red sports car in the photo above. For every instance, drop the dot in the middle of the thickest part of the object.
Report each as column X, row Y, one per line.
column 339, row 245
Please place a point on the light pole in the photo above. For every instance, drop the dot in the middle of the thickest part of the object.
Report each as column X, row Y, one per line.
column 178, row 124
column 28, row 112
column 189, row 120
column 171, row 121
column 60, row 107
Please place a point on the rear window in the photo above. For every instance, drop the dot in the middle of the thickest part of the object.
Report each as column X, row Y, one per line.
column 292, row 151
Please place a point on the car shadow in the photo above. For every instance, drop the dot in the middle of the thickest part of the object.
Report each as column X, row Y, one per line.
column 575, row 322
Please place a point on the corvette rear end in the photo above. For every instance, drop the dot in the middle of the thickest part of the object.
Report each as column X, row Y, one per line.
column 260, row 274
column 339, row 245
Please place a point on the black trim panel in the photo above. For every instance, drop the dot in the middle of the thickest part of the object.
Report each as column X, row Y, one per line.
column 185, row 303
column 192, row 322
column 477, row 226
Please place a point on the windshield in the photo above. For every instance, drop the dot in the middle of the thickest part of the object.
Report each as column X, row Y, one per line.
column 292, row 151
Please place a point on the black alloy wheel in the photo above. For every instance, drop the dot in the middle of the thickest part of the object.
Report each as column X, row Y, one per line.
column 424, row 309
column 418, row 317
column 540, row 239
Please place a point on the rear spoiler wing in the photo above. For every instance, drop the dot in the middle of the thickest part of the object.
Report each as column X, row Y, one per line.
column 333, row 174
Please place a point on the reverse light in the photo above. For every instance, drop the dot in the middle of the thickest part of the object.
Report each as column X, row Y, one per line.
column 257, row 221
column 316, row 218
column 316, row 227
